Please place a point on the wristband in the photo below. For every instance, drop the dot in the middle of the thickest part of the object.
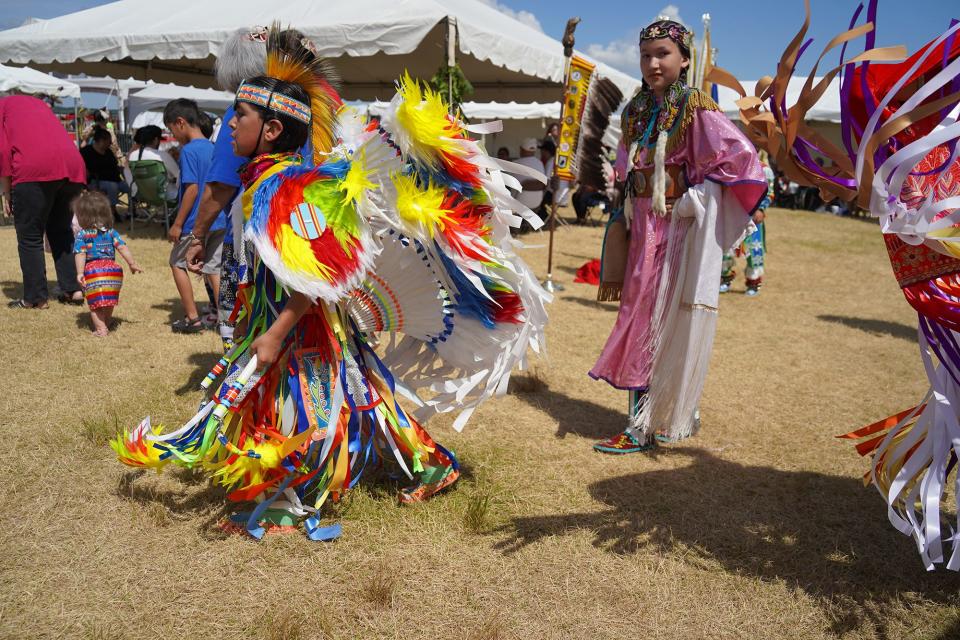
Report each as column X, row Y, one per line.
column 194, row 238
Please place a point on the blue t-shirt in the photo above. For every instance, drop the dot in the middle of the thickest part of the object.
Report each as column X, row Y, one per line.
column 195, row 159
column 226, row 165
column 98, row 244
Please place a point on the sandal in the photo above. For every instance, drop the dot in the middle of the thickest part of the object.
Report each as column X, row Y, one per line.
column 20, row 303
column 188, row 325
column 67, row 298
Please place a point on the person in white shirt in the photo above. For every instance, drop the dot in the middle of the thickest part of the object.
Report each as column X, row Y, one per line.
column 532, row 194
column 148, row 141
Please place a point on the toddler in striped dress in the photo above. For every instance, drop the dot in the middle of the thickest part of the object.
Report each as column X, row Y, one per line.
column 94, row 250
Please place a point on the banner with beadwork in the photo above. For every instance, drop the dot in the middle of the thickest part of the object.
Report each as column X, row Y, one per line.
column 576, row 88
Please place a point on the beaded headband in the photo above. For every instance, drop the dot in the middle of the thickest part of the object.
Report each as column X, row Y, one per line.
column 676, row 32
column 274, row 101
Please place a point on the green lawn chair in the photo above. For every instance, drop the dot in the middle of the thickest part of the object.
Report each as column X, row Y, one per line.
column 150, row 177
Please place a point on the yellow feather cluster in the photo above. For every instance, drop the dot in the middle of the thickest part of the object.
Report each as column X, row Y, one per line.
column 231, row 474
column 421, row 208
column 138, row 452
column 298, row 254
column 357, row 179
column 423, row 114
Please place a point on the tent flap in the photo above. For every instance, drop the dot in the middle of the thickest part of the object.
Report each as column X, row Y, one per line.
column 26, row 80
column 132, row 29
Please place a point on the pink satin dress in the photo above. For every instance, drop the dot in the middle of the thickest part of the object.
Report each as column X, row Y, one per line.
column 714, row 149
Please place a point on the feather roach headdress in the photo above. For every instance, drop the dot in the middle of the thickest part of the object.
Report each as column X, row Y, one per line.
column 296, row 62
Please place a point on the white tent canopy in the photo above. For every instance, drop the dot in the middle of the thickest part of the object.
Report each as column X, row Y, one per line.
column 510, row 110
column 26, row 80
column 375, row 41
column 158, row 95
column 827, row 110
column 485, row 110
column 119, row 87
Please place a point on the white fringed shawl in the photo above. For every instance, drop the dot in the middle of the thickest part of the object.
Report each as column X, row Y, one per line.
column 706, row 221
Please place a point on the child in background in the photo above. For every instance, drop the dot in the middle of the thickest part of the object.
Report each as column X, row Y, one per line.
column 94, row 251
column 754, row 244
column 184, row 120
column 148, row 148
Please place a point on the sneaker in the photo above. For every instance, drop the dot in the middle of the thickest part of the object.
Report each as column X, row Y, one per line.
column 623, row 442
column 724, row 287
column 753, row 292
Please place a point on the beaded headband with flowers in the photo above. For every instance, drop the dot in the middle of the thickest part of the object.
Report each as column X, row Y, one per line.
column 274, row 101
column 676, row 32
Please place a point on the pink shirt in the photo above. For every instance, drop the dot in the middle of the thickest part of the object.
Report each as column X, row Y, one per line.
column 34, row 146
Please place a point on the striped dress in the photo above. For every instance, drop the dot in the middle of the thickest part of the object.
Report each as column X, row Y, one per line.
column 102, row 276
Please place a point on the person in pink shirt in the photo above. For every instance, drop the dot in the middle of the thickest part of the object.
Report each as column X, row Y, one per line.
column 41, row 171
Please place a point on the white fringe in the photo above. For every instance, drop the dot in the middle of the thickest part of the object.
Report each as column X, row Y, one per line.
column 703, row 223
column 642, row 426
column 660, row 175
column 916, row 491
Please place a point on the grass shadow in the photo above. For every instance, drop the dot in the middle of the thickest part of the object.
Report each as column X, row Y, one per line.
column 172, row 306
column 13, row 289
column 83, row 321
column 574, row 415
column 202, row 363
column 825, row 535
column 594, row 304
column 874, row 326
column 570, row 270
column 579, row 255
column 196, row 497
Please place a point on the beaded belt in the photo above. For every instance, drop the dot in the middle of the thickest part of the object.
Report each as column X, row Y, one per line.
column 640, row 182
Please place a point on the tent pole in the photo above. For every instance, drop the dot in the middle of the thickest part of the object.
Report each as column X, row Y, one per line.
column 121, row 108
column 568, row 42
column 451, row 58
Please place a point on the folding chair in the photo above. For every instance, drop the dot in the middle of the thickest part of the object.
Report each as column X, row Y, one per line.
column 150, row 176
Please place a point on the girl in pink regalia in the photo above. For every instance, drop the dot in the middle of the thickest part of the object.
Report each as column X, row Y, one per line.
column 692, row 181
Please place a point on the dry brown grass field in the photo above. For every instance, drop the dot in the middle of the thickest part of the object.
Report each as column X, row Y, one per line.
column 759, row 527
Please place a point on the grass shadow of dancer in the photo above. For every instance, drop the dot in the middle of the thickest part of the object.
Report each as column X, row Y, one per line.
column 203, row 362
column 573, row 415
column 874, row 326
column 826, row 535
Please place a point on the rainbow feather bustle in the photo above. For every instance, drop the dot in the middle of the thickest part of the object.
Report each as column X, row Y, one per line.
column 380, row 247
column 306, row 428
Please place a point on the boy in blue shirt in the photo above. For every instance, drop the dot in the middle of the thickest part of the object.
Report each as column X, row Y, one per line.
column 182, row 118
